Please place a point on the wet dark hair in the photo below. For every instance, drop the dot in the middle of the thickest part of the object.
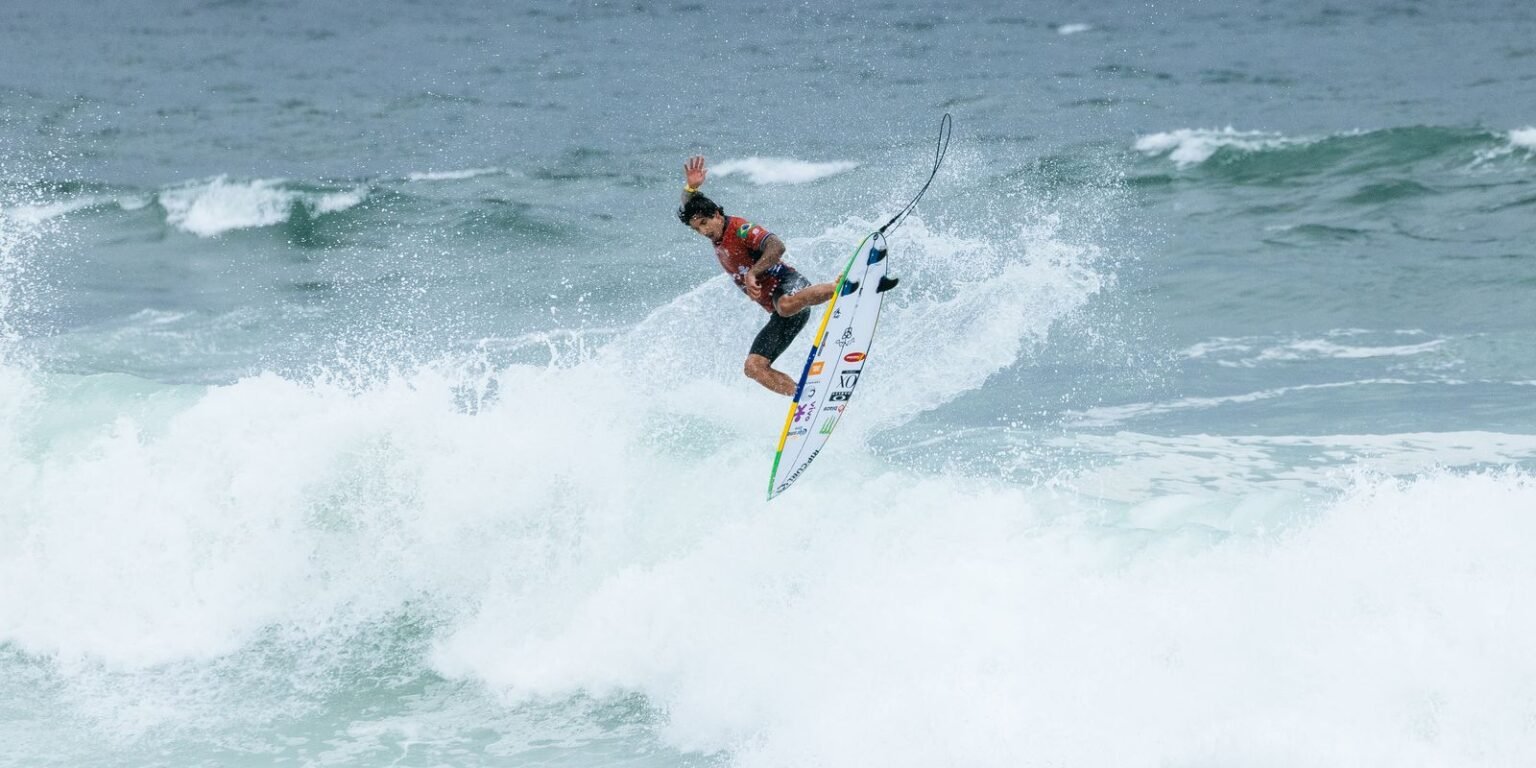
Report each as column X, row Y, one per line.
column 698, row 205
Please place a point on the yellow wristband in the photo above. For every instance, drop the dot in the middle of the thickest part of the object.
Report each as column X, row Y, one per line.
column 690, row 190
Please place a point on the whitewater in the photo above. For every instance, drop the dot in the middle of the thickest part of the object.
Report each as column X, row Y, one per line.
column 363, row 403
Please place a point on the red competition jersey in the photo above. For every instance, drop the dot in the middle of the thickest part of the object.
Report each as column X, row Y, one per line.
column 740, row 246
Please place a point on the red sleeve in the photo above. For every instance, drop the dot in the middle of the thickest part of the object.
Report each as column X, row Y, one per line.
column 753, row 235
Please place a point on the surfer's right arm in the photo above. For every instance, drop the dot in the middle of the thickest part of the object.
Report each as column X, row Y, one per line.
column 693, row 176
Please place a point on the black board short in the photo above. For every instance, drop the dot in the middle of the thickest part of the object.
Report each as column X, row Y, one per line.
column 776, row 336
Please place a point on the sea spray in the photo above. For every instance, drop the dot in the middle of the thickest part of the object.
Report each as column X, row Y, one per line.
column 927, row 620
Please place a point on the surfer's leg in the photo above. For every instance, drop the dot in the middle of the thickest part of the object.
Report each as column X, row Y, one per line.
column 771, row 342
column 761, row 371
column 794, row 293
column 809, row 296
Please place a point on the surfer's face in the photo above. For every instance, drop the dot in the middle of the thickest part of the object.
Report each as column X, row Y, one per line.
column 711, row 227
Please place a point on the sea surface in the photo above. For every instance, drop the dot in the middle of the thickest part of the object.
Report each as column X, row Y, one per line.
column 363, row 403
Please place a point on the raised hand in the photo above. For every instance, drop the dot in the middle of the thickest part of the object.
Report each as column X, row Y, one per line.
column 693, row 171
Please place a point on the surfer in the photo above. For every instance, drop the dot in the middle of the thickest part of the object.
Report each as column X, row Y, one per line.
column 752, row 256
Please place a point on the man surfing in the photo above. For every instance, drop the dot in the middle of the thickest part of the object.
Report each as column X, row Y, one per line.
column 752, row 256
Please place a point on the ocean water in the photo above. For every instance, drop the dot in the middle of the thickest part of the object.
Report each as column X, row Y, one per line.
column 362, row 402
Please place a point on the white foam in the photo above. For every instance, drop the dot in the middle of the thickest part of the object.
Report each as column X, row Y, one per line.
column 920, row 623
column 1515, row 140
column 1073, row 29
column 581, row 536
column 331, row 202
column 1254, row 351
column 663, row 399
column 779, row 170
column 44, row 211
column 1323, row 348
column 33, row 213
column 1105, row 416
column 997, row 296
column 219, row 205
column 134, row 202
column 1008, row 295
column 599, row 528
column 468, row 173
column 210, row 208
column 1132, row 467
column 1187, row 146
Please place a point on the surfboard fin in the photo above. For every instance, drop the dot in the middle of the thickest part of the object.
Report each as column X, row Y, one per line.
column 886, row 283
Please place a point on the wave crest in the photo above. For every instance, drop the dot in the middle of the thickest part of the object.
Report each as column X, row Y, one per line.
column 780, row 170
column 1192, row 146
column 1264, row 155
column 219, row 205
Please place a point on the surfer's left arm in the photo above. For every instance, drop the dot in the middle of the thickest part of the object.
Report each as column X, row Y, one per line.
column 773, row 250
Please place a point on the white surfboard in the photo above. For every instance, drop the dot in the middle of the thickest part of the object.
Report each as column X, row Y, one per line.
column 838, row 360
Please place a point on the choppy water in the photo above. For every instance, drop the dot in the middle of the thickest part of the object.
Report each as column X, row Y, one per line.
column 363, row 403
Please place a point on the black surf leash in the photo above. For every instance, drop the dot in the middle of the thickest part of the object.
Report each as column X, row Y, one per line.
column 938, row 158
